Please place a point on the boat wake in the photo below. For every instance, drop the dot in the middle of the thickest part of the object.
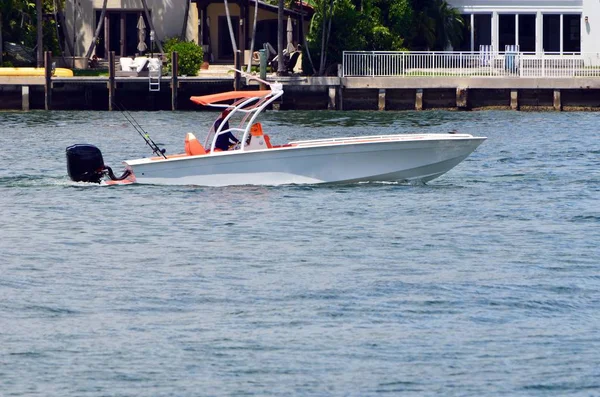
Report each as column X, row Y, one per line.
column 37, row 181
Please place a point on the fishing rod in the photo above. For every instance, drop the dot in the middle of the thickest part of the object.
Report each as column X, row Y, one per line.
column 140, row 130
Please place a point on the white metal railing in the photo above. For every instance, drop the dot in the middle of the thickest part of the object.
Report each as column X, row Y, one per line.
column 469, row 64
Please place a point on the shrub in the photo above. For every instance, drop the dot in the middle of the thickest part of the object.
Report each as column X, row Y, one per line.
column 190, row 55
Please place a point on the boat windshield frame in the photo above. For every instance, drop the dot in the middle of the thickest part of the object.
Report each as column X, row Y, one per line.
column 248, row 106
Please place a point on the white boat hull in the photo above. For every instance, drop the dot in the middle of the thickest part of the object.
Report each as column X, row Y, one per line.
column 343, row 160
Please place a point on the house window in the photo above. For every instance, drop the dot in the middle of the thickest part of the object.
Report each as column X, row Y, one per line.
column 225, row 45
column 465, row 44
column 483, row 30
column 571, row 33
column 527, row 32
column 506, row 30
column 551, row 33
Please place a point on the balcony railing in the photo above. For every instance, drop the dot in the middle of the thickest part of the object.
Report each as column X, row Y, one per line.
column 469, row 64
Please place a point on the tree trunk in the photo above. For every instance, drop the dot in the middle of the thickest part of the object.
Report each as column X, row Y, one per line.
column 233, row 43
column 149, row 18
column 304, row 42
column 97, row 32
column 328, row 30
column 323, row 47
column 186, row 15
column 280, row 65
column 40, row 21
column 63, row 23
column 253, row 34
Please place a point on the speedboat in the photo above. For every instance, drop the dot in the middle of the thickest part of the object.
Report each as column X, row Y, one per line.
column 255, row 161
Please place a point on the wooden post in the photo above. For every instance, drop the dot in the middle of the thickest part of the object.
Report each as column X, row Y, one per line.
column 111, row 80
column 514, row 99
column 25, row 97
column 419, row 99
column 381, row 99
column 263, row 68
column 237, row 81
column 174, row 79
column 123, row 41
column 48, row 79
column 557, row 100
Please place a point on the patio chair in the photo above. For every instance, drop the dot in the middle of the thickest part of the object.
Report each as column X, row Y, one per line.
column 486, row 54
column 511, row 58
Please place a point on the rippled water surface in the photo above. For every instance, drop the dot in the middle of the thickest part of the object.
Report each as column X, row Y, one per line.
column 482, row 282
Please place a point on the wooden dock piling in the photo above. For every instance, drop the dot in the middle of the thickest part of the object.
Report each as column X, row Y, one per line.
column 381, row 99
column 332, row 100
column 462, row 98
column 111, row 80
column 419, row 99
column 237, row 81
column 557, row 101
column 47, row 81
column 514, row 99
column 174, row 79
column 25, row 97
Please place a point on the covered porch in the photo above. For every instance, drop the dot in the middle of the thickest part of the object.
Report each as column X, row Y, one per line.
column 213, row 29
column 549, row 27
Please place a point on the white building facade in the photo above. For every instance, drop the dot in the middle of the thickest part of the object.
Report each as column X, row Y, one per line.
column 535, row 26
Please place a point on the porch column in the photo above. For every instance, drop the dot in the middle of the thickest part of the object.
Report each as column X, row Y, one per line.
column 539, row 33
column 200, row 24
column 517, row 30
column 247, row 27
column 495, row 41
column 106, row 36
column 561, row 33
column 122, row 43
column 472, row 32
column 206, row 28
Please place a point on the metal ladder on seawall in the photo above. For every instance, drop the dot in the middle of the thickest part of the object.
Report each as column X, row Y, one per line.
column 154, row 80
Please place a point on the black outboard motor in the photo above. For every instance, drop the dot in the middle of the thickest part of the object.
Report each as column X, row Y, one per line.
column 85, row 163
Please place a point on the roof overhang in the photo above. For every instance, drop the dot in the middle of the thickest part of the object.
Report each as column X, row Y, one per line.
column 307, row 9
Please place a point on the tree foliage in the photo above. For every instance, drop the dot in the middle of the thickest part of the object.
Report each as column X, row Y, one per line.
column 19, row 23
column 436, row 25
column 380, row 25
column 189, row 53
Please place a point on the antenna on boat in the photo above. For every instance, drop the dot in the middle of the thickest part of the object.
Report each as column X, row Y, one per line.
column 155, row 148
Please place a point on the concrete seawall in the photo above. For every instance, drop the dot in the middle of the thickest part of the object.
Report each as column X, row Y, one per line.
column 350, row 93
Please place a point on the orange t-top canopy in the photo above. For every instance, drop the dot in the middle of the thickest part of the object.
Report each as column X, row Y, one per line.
column 226, row 96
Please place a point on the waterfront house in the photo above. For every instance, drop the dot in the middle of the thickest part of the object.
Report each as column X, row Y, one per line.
column 206, row 25
column 535, row 26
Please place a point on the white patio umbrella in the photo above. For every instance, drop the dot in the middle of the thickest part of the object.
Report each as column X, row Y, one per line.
column 290, row 36
column 141, row 25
